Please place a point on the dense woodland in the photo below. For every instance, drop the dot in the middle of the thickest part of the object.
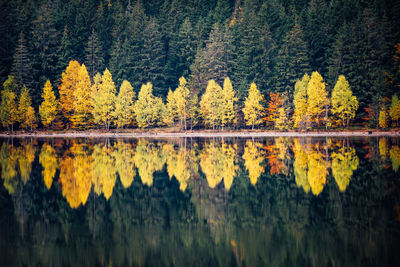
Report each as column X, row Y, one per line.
column 84, row 64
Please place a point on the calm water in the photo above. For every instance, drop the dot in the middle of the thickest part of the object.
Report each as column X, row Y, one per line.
column 200, row 202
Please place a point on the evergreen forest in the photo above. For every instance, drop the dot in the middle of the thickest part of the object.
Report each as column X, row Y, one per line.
column 194, row 64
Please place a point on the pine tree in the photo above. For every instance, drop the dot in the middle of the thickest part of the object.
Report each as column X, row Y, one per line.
column 292, row 59
column 48, row 108
column 94, row 55
column 104, row 95
column 66, row 50
column 253, row 110
column 317, row 98
column 22, row 66
column 300, row 102
column 394, row 110
column 229, row 103
column 344, row 103
column 124, row 109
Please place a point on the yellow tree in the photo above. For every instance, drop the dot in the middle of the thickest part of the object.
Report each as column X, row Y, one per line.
column 229, row 103
column 26, row 155
column 344, row 103
column 317, row 98
column 125, row 163
column 317, row 171
column 49, row 162
column 211, row 105
column 8, row 109
column 282, row 122
column 181, row 97
column 124, row 105
column 48, row 108
column 300, row 102
column 24, row 103
column 8, row 161
column 83, row 101
column 383, row 118
column 300, row 166
column 69, row 81
column 171, row 108
column 149, row 110
column 253, row 110
column 103, row 95
column 394, row 110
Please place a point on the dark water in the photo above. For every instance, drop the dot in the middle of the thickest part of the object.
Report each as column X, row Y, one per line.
column 200, row 202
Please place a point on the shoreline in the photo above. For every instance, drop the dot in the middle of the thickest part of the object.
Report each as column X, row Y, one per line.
column 202, row 134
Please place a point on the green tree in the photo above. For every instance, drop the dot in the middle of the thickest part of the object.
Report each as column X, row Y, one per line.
column 94, row 58
column 48, row 108
column 253, row 110
column 22, row 64
column 124, row 109
column 344, row 103
column 300, row 102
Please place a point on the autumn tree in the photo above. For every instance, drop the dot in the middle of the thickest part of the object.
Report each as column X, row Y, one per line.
column 48, row 160
column 171, row 108
column 8, row 109
column 124, row 108
column 26, row 113
column 103, row 95
column 48, row 108
column 317, row 98
column 229, row 103
column 211, row 105
column 181, row 97
column 383, row 118
column 344, row 103
column 82, row 100
column 253, row 109
column 300, row 102
column 272, row 110
column 69, row 81
column 282, row 121
column 394, row 110
column 344, row 163
column 149, row 110
column 253, row 158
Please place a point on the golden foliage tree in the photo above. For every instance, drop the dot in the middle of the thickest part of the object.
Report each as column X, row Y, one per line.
column 317, row 98
column 394, row 110
column 344, row 163
column 300, row 102
column 49, row 161
column 69, row 81
column 26, row 155
column 104, row 172
column 149, row 110
column 48, row 108
column 124, row 108
column 181, row 97
column 383, row 118
column 272, row 109
column 300, row 166
column 104, row 95
column 25, row 116
column 8, row 161
column 344, row 103
column 8, row 109
column 253, row 110
column 82, row 100
column 229, row 103
column 211, row 105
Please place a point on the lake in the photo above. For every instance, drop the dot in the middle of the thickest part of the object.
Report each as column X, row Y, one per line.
column 200, row 202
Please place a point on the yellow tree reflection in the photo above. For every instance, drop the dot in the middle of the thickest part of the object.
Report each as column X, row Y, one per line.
column 104, row 173
column 277, row 154
column 125, row 163
column 344, row 163
column 49, row 162
column 395, row 157
column 26, row 155
column 317, row 170
column 218, row 163
column 300, row 166
column 8, row 160
column 76, row 175
column 178, row 164
column 148, row 158
column 253, row 157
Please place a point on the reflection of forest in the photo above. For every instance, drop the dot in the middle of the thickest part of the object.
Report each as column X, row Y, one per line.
column 232, row 202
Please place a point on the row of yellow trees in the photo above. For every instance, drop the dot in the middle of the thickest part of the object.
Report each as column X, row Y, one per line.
column 84, row 103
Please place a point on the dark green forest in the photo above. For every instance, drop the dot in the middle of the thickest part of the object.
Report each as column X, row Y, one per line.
column 272, row 43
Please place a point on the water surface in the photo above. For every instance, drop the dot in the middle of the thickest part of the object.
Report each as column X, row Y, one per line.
column 200, row 202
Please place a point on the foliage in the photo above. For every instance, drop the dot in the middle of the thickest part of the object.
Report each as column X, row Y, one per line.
column 300, row 116
column 149, row 110
column 317, row 98
column 211, row 105
column 383, row 118
column 394, row 110
column 344, row 103
column 48, row 108
column 124, row 108
column 253, row 110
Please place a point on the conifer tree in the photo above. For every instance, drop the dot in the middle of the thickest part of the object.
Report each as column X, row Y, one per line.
column 229, row 103
column 48, row 108
column 394, row 110
column 344, row 103
column 22, row 65
column 124, row 109
column 253, row 110
column 65, row 51
column 317, row 99
column 94, row 55
column 300, row 102
column 104, row 99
